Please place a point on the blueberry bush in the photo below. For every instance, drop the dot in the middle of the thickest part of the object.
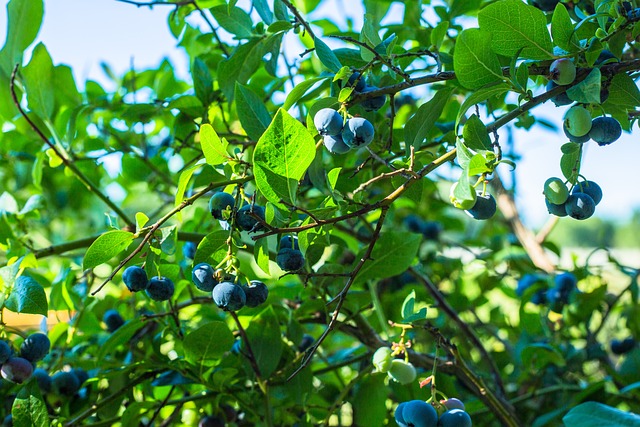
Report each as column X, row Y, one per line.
column 277, row 245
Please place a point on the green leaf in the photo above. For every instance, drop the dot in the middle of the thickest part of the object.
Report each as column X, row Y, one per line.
column 106, row 247
column 29, row 409
column 253, row 114
column 370, row 36
column 623, row 93
column 537, row 356
column 215, row 151
column 418, row 126
column 588, row 90
column 183, row 181
column 281, row 157
column 438, row 33
column 212, row 248
column 141, row 220
column 262, row 7
column 234, row 20
column 265, row 340
column 27, row 296
column 207, row 344
column 481, row 95
column 299, row 91
column 261, row 254
column 202, row 81
column 595, row 414
column 20, row 35
column 37, row 77
column 474, row 62
column 369, row 397
column 326, row 56
column 477, row 165
column 121, row 336
column 562, row 29
column 515, row 25
column 393, row 253
column 240, row 66
column 570, row 162
column 464, row 190
column 475, row 134
column 409, row 314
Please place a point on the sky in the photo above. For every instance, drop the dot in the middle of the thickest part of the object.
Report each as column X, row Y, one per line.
column 83, row 34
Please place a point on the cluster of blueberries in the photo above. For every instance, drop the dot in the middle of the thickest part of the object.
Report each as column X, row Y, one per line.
column 227, row 294
column 289, row 256
column 340, row 137
column 157, row 288
column 481, row 206
column 421, row 413
column 249, row 217
column 623, row 346
column 633, row 14
column 579, row 204
column 556, row 296
column 398, row 370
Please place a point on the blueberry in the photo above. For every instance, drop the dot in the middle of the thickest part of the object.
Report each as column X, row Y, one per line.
column 577, row 139
column 189, row 250
column 556, row 299
column 236, row 347
column 81, row 374
column 211, row 421
column 335, row 144
column 453, row 403
column 35, row 347
column 580, row 206
column 484, row 208
column 398, row 414
column 135, row 278
column 414, row 223
column 5, row 351
column 8, row 421
column 229, row 296
column 563, row 71
column 290, row 259
column 256, row 293
column 375, row 103
column 455, row 418
column 160, row 288
column 565, row 282
column 65, row 383
column 546, row 5
column 557, row 210
column 113, row 320
column 17, row 370
column 578, row 121
column 526, row 282
column 203, row 276
column 358, row 132
column 290, row 242
column 245, row 218
column 432, row 230
column 605, row 130
column 540, row 297
column 328, row 122
column 43, row 379
column 624, row 346
column 402, row 372
column 357, row 80
column 561, row 99
column 606, row 56
column 418, row 413
column 306, row 342
column 219, row 203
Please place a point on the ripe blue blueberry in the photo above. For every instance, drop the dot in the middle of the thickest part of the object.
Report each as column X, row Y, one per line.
column 17, row 370
column 211, row 421
column 590, row 188
column 160, row 288
column 290, row 259
column 135, row 278
column 557, row 210
column 398, row 414
column 81, row 374
column 453, row 403
column 546, row 5
column 305, row 342
column 624, row 346
column 229, row 296
column 605, row 130
column 65, row 383
column 246, row 217
column 35, row 347
column 540, row 297
column 375, row 103
column 43, row 379
column 290, row 242
column 561, row 99
column 565, row 282
column 414, row 223
column 357, row 80
column 203, row 276
column 5, row 351
column 484, row 208
column 418, row 413
column 526, row 282
column 358, row 132
column 256, row 293
column 335, row 144
column 112, row 319
column 220, row 203
column 432, row 230
column 189, row 250
column 556, row 299
column 580, row 206
column 328, row 122
column 455, row 418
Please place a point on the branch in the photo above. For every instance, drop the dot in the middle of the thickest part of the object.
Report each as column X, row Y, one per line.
column 299, row 17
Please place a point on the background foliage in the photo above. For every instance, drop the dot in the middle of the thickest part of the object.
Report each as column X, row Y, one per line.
column 244, row 124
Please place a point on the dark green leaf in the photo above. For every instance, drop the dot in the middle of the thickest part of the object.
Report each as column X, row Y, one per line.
column 38, row 76
column 213, row 248
column 19, row 34
column 299, row 91
column 475, row 134
column 474, row 62
column 27, row 296
column 481, row 95
column 262, row 7
column 368, row 401
column 253, row 114
column 240, row 66
column 588, row 90
column 206, row 345
column 29, row 409
column 261, row 254
column 418, row 126
column 326, row 56
column 562, row 29
column 202, row 81
column 595, row 414
column 265, row 340
column 393, row 253
column 234, row 20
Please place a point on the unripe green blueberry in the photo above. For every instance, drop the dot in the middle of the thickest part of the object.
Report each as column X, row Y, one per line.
column 382, row 359
column 462, row 204
column 563, row 71
column 578, row 121
column 555, row 191
column 402, row 372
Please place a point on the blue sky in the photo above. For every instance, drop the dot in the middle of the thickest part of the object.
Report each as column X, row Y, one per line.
column 84, row 33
